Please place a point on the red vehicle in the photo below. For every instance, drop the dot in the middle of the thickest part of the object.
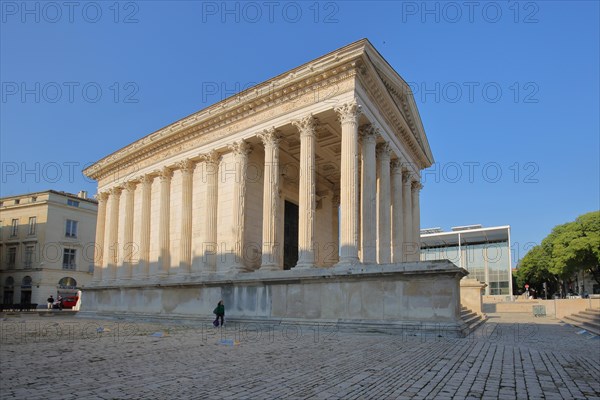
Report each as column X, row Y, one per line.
column 69, row 302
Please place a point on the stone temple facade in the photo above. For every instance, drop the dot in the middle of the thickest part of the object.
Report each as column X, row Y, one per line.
column 267, row 198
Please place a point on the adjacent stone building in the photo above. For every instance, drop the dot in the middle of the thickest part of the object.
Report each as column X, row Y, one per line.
column 316, row 170
column 46, row 245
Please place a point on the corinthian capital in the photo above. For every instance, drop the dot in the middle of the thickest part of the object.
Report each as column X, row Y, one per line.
column 416, row 185
column 165, row 174
column 186, row 166
column 348, row 112
column 368, row 133
column 212, row 157
column 384, row 150
column 270, row 137
column 101, row 197
column 306, row 125
column 240, row 148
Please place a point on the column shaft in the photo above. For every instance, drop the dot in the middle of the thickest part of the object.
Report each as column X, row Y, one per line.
column 368, row 196
column 407, row 247
column 185, row 242
column 209, row 250
column 397, row 220
column 99, row 245
column 270, row 221
column 306, row 192
column 348, row 114
column 240, row 151
column 124, row 269
column 164, row 237
column 113, row 231
column 416, row 219
column 383, row 205
column 144, row 258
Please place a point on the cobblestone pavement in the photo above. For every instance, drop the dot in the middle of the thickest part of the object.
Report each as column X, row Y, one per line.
column 509, row 357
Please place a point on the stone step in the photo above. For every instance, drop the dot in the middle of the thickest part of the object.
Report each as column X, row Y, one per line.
column 588, row 320
column 592, row 312
column 471, row 320
column 584, row 319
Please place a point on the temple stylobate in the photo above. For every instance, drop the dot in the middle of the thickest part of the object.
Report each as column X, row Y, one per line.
column 317, row 169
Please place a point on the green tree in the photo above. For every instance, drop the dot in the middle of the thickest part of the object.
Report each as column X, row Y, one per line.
column 568, row 249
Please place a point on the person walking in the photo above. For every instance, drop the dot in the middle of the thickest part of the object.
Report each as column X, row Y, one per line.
column 219, row 311
column 50, row 301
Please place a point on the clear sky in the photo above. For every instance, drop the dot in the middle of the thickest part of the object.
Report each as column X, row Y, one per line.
column 508, row 91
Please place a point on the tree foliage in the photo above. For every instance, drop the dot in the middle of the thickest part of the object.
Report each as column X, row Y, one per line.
column 570, row 248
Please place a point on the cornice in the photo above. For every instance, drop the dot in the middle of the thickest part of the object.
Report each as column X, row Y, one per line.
column 311, row 77
column 376, row 88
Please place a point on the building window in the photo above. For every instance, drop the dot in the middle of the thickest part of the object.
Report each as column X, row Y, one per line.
column 12, row 256
column 73, row 203
column 33, row 199
column 14, row 231
column 32, row 223
column 29, row 256
column 71, row 230
column 17, row 201
column 69, row 259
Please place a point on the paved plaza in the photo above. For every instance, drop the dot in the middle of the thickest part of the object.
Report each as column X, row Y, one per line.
column 511, row 356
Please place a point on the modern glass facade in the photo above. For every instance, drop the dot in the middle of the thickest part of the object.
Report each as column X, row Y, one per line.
column 484, row 252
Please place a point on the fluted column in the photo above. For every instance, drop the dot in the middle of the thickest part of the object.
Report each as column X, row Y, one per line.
column 348, row 114
column 144, row 258
column 185, row 243
column 209, row 250
column 240, row 151
column 124, row 269
column 306, row 192
column 113, row 232
column 416, row 219
column 397, row 226
column 383, row 204
column 99, row 245
column 270, row 247
column 164, row 238
column 408, row 246
column 368, row 189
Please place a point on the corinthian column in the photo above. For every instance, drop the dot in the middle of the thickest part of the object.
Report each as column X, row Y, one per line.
column 124, row 270
column 383, row 205
column 209, row 250
column 408, row 246
column 397, row 227
column 99, row 246
column 240, row 151
column 348, row 114
column 144, row 259
column 270, row 252
column 416, row 219
column 164, row 222
column 306, row 193
column 368, row 191
column 185, row 244
column 113, row 231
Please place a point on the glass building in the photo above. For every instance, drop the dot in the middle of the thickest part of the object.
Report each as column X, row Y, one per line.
column 484, row 252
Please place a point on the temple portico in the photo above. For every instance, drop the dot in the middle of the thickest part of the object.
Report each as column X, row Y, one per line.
column 223, row 209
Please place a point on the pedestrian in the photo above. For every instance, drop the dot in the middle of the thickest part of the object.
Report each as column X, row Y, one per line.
column 219, row 311
column 59, row 302
column 50, row 301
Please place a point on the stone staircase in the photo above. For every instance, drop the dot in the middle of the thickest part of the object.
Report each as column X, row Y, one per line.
column 471, row 320
column 588, row 320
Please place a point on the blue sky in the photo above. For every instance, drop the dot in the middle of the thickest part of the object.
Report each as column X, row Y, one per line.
column 508, row 91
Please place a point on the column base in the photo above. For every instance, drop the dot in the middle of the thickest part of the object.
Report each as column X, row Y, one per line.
column 348, row 262
column 304, row 266
column 270, row 267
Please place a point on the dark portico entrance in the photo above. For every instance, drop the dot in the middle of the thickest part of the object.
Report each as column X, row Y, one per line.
column 290, row 235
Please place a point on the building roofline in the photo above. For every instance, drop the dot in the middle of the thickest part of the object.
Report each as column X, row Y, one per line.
column 60, row 193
